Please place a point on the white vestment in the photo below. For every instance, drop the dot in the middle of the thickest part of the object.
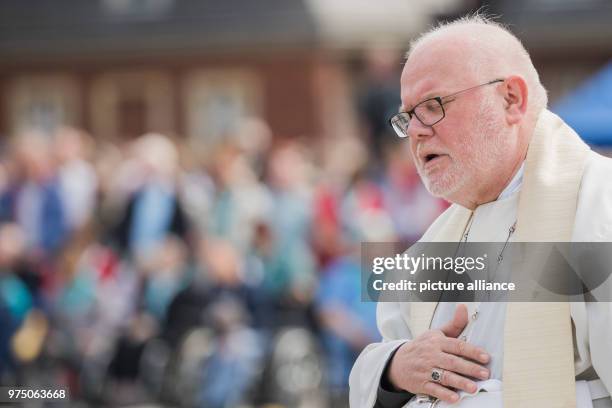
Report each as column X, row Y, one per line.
column 592, row 322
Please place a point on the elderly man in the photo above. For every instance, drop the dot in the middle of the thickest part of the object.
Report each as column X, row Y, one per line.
column 474, row 112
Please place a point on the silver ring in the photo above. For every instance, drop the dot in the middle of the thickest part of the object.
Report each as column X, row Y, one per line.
column 436, row 375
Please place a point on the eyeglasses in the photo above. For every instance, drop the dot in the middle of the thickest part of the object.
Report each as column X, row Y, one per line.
column 429, row 112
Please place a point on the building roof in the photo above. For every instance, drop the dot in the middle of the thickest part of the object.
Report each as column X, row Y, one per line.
column 52, row 28
column 559, row 26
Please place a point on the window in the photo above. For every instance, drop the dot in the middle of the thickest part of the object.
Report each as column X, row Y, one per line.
column 216, row 101
column 43, row 102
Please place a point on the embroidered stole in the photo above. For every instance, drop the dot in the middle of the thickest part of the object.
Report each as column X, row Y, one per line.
column 538, row 365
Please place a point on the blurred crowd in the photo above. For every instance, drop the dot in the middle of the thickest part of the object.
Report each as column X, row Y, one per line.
column 160, row 270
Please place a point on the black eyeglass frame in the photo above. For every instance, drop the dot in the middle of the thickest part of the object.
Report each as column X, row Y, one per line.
column 440, row 101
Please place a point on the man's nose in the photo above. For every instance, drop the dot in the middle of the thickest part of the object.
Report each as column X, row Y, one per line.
column 417, row 130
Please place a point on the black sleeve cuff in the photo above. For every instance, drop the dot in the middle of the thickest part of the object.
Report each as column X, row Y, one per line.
column 386, row 397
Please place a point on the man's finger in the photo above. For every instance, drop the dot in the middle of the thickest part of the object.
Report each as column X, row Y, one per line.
column 464, row 349
column 453, row 380
column 441, row 392
column 460, row 320
column 452, row 363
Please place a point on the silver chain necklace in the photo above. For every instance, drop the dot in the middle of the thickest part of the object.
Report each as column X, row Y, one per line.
column 500, row 256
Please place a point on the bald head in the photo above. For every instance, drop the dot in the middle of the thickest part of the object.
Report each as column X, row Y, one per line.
column 486, row 49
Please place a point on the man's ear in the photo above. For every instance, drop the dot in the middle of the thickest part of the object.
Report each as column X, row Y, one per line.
column 515, row 98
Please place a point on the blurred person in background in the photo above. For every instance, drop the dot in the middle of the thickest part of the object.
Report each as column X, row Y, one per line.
column 197, row 188
column 377, row 100
column 33, row 195
column 7, row 328
column 96, row 295
column 240, row 199
column 254, row 137
column 166, row 273
column 343, row 163
column 185, row 311
column 32, row 199
column 290, row 267
column 347, row 324
column 113, row 170
column 153, row 210
column 16, row 300
column 230, row 371
column 77, row 176
column 411, row 207
column 347, row 207
column 362, row 209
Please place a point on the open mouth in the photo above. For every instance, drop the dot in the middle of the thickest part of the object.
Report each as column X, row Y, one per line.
column 431, row 157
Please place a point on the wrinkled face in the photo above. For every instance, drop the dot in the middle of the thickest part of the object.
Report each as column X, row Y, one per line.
column 457, row 155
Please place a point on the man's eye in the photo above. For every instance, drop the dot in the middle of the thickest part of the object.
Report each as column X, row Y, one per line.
column 432, row 106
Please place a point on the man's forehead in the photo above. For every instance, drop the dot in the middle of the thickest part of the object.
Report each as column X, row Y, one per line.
column 431, row 72
column 415, row 88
